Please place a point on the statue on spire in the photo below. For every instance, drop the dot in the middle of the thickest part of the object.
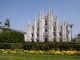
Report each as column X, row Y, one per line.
column 7, row 23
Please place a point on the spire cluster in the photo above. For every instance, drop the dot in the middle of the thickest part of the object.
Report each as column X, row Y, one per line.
column 48, row 28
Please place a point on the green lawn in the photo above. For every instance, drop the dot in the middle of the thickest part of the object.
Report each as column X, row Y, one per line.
column 38, row 57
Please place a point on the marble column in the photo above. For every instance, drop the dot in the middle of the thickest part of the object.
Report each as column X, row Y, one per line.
column 29, row 32
column 41, row 27
column 50, row 25
column 57, row 30
column 35, row 31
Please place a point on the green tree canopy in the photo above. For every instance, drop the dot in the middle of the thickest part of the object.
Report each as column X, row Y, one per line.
column 11, row 36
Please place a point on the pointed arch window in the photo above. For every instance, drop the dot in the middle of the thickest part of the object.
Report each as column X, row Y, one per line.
column 45, row 21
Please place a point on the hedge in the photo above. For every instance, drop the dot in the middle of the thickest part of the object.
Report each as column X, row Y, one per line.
column 51, row 45
column 11, row 46
column 41, row 46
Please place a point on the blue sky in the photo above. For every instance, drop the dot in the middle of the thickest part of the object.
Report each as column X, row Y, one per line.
column 19, row 11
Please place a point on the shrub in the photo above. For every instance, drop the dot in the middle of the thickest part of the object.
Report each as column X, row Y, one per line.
column 51, row 45
column 11, row 45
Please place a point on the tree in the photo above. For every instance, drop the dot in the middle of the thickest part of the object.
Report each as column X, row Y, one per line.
column 11, row 36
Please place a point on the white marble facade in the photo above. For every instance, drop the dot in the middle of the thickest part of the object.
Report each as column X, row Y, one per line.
column 47, row 28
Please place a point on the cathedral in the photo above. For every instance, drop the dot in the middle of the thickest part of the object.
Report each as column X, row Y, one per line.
column 47, row 28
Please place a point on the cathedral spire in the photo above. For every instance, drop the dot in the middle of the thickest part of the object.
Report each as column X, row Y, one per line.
column 50, row 12
column 41, row 14
column 28, row 22
column 35, row 22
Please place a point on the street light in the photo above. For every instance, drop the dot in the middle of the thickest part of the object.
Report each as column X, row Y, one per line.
column 0, row 24
column 71, row 25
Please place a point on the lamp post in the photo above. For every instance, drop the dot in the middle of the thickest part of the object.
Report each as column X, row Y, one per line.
column 76, row 37
column 71, row 25
column 0, row 24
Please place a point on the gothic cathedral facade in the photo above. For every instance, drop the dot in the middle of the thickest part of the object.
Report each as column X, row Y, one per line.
column 47, row 28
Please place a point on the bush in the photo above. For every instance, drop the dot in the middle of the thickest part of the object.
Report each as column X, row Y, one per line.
column 51, row 45
column 41, row 46
column 11, row 45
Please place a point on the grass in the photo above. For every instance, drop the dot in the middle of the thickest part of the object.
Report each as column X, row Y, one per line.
column 38, row 57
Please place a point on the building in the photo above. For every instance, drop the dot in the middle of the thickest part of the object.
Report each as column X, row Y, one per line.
column 77, row 38
column 47, row 28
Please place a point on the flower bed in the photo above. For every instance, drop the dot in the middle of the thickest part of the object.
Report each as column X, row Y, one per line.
column 39, row 52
